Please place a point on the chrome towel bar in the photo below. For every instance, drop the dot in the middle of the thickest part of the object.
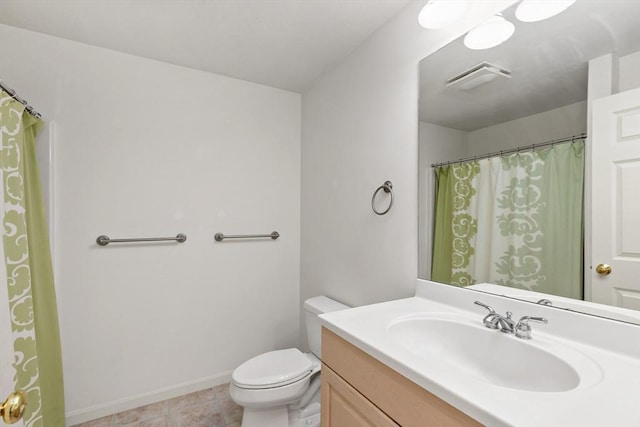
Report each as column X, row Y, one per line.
column 105, row 240
column 220, row 237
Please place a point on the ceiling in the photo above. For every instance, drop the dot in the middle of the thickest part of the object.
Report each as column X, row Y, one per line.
column 548, row 61
column 280, row 43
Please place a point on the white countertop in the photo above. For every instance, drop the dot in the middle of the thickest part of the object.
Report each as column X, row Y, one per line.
column 608, row 396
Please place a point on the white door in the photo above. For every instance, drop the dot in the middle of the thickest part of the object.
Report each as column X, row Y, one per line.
column 11, row 403
column 616, row 200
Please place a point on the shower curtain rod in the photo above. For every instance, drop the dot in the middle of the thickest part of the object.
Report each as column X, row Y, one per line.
column 13, row 94
column 512, row 150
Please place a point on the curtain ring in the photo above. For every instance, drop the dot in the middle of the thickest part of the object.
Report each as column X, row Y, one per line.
column 388, row 188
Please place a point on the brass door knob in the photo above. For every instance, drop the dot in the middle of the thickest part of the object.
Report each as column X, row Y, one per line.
column 603, row 269
column 13, row 408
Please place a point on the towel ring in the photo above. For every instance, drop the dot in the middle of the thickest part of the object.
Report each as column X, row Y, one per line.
column 388, row 188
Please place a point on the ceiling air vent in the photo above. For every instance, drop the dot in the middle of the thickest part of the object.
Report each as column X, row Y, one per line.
column 477, row 75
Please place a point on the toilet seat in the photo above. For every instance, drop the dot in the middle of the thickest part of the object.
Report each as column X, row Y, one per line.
column 273, row 369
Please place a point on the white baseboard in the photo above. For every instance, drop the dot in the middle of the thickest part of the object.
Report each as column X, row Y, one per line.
column 114, row 407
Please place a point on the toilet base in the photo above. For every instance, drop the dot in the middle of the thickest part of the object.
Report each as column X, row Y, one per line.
column 284, row 416
column 281, row 417
column 267, row 417
column 307, row 417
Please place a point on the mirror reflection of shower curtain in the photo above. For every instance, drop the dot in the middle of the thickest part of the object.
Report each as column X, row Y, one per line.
column 513, row 220
column 30, row 355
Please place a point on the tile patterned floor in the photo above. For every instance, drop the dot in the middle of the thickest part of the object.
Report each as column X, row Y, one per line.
column 211, row 407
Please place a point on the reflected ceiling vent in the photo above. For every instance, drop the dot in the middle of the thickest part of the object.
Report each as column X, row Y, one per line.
column 478, row 75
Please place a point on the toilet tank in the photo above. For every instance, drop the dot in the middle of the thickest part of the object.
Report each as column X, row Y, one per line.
column 313, row 307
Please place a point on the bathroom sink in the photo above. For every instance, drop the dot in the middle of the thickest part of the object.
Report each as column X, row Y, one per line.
column 576, row 370
column 457, row 343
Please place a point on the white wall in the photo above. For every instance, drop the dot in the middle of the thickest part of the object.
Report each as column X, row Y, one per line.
column 150, row 149
column 629, row 72
column 558, row 123
column 360, row 128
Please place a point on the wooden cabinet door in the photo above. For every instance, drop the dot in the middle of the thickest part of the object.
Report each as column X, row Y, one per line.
column 343, row 406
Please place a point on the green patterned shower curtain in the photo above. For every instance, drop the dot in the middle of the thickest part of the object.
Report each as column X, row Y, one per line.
column 31, row 356
column 513, row 220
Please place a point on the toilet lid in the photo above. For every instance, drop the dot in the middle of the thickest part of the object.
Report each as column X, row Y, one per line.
column 272, row 369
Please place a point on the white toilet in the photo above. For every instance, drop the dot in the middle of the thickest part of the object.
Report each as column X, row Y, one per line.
column 282, row 388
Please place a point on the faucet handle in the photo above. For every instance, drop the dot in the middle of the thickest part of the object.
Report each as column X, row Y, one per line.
column 491, row 310
column 526, row 319
column 491, row 319
column 523, row 329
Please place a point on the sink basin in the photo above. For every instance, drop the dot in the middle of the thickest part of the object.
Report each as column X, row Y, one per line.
column 468, row 347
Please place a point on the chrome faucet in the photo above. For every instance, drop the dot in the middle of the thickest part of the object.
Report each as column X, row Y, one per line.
column 494, row 320
column 507, row 325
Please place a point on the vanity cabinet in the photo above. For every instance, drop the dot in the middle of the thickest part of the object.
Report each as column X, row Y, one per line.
column 359, row 391
column 343, row 405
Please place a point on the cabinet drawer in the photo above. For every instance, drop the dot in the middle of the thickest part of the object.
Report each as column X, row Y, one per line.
column 343, row 406
column 404, row 401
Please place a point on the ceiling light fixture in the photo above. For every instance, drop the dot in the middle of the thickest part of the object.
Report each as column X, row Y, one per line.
column 537, row 10
column 494, row 31
column 440, row 13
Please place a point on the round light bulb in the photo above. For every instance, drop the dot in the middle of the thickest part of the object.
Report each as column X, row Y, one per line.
column 440, row 13
column 494, row 31
column 537, row 10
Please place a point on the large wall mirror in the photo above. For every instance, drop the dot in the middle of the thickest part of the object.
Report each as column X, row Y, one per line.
column 570, row 85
